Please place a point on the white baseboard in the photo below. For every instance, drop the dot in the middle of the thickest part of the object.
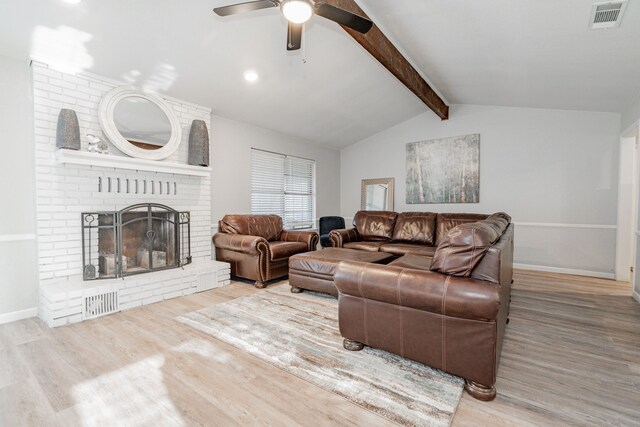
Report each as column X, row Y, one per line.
column 16, row 237
column 636, row 296
column 588, row 273
column 18, row 315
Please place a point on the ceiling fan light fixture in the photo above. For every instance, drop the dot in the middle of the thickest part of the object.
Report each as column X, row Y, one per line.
column 297, row 11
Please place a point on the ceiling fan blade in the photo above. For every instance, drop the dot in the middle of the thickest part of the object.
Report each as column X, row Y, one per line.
column 343, row 17
column 245, row 7
column 294, row 36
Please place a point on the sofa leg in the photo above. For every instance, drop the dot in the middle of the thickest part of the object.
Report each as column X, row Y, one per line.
column 260, row 285
column 296, row 290
column 352, row 345
column 480, row 391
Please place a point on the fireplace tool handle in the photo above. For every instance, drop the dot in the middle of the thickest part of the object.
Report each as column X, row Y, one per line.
column 89, row 269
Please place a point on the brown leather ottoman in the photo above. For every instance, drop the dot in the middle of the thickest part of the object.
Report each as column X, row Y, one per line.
column 315, row 270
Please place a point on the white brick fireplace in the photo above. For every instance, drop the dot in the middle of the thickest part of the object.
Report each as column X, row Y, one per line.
column 71, row 182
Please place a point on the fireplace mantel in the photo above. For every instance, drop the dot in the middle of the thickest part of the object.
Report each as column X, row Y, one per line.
column 121, row 162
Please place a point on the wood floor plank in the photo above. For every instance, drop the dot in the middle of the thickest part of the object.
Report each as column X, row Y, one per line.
column 571, row 357
column 560, row 361
column 24, row 404
column 13, row 369
column 25, row 330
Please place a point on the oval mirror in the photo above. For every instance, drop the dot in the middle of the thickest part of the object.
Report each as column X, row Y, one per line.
column 140, row 124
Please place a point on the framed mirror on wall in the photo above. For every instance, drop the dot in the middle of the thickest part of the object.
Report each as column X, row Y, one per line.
column 139, row 123
column 376, row 194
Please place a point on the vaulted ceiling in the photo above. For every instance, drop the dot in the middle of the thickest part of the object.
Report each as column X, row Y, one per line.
column 535, row 53
column 528, row 53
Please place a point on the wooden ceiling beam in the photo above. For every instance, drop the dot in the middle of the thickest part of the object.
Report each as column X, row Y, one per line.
column 379, row 46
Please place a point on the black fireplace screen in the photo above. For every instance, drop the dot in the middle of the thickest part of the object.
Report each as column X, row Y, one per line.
column 138, row 239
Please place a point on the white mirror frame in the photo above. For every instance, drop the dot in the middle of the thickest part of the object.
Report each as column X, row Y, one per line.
column 105, row 114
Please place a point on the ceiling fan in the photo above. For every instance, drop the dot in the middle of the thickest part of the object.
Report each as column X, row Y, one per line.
column 297, row 13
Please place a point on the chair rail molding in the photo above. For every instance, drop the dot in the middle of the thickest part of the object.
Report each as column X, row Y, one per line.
column 17, row 237
column 566, row 225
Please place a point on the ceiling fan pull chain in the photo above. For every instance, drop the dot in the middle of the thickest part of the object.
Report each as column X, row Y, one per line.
column 304, row 44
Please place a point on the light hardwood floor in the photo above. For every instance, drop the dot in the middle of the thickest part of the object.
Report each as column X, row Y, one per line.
column 571, row 357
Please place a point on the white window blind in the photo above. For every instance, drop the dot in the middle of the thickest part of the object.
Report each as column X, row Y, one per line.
column 285, row 186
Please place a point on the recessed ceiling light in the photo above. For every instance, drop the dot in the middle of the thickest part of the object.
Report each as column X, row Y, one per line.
column 250, row 76
column 72, row 1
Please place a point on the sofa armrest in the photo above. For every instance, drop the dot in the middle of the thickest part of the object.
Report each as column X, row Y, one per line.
column 251, row 245
column 310, row 238
column 340, row 237
column 420, row 290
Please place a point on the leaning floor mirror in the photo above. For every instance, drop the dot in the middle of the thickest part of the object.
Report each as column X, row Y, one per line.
column 377, row 194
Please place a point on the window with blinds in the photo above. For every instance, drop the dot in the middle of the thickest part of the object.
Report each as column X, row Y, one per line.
column 285, row 186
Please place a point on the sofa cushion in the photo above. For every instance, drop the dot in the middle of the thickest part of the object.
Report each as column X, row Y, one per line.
column 400, row 249
column 375, row 225
column 446, row 221
column 415, row 227
column 500, row 218
column 283, row 250
column 494, row 267
column 465, row 245
column 266, row 226
column 364, row 246
column 416, row 262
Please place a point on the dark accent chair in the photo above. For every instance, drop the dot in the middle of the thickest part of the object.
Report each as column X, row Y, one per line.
column 327, row 224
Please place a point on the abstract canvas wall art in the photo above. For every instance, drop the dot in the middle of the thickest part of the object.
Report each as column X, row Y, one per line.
column 445, row 170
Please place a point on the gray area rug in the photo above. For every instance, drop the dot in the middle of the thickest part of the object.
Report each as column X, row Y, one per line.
column 299, row 333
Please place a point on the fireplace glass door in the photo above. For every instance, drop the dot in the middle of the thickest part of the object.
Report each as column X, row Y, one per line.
column 148, row 239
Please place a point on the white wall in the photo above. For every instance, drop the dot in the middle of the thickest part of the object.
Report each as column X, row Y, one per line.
column 630, row 115
column 554, row 171
column 18, row 282
column 230, row 149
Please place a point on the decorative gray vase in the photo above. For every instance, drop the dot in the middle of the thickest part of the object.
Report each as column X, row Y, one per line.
column 68, row 132
column 199, row 144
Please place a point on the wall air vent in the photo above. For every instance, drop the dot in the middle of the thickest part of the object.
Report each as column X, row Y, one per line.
column 607, row 14
column 99, row 304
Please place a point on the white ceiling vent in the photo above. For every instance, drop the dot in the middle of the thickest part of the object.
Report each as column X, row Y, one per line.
column 607, row 14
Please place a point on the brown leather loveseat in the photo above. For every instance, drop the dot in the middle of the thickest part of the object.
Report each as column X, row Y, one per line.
column 449, row 312
column 258, row 248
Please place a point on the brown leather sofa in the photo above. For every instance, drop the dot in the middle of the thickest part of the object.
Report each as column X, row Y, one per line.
column 416, row 233
column 258, row 248
column 449, row 312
